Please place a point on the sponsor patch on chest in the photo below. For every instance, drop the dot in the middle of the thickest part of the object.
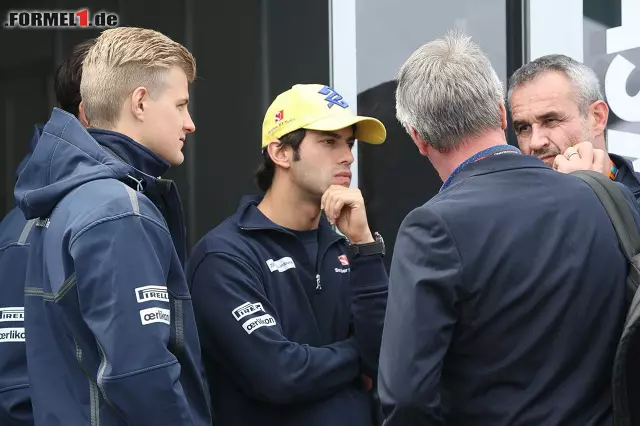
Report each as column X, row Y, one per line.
column 280, row 265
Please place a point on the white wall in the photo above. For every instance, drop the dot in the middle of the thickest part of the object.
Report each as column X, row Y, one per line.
column 388, row 31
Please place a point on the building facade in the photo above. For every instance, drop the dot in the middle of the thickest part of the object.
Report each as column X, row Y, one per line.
column 248, row 52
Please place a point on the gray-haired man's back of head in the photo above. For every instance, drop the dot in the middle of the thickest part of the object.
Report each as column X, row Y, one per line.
column 448, row 91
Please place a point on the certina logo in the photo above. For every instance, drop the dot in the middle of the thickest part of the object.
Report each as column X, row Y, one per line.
column 152, row 292
column 12, row 314
column 262, row 321
column 12, row 335
column 280, row 265
column 151, row 315
column 246, row 309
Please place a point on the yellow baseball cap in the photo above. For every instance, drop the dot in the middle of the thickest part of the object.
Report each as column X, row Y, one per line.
column 316, row 107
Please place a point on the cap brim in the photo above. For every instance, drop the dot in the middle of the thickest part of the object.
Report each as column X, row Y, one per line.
column 368, row 129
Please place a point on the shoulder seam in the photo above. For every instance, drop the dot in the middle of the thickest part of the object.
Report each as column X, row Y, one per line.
column 233, row 256
column 95, row 223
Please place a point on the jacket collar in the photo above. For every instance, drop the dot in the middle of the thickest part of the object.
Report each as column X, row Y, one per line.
column 250, row 218
column 626, row 174
column 131, row 152
column 149, row 167
column 505, row 158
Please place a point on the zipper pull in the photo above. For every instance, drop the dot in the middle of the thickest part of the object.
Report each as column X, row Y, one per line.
column 318, row 286
column 139, row 186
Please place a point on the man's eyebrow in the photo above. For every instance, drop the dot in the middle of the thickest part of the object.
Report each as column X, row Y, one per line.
column 550, row 114
column 545, row 116
column 326, row 134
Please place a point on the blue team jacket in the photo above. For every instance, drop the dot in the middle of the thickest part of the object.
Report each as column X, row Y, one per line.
column 627, row 175
column 284, row 341
column 15, row 402
column 111, row 337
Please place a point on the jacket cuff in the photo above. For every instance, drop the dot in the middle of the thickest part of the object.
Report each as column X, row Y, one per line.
column 368, row 270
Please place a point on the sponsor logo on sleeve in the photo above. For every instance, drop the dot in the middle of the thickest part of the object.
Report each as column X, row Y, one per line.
column 151, row 315
column 280, row 265
column 12, row 335
column 152, row 292
column 255, row 323
column 246, row 309
column 12, row 314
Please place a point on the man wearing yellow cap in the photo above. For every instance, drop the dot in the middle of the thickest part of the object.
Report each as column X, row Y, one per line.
column 290, row 313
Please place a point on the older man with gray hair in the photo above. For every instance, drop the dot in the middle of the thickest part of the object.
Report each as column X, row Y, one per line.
column 499, row 309
column 560, row 116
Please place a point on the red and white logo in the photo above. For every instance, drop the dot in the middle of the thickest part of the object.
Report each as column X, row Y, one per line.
column 343, row 259
column 279, row 116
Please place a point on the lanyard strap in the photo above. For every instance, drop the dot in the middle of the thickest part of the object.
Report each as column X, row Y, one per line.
column 494, row 150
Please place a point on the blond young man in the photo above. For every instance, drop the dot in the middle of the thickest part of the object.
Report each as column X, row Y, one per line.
column 111, row 331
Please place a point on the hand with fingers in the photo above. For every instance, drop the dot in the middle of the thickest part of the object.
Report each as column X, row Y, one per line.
column 344, row 208
column 583, row 156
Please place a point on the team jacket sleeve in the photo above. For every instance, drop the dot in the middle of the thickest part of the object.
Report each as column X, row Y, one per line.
column 121, row 271
column 15, row 405
column 369, row 287
column 240, row 329
column 424, row 287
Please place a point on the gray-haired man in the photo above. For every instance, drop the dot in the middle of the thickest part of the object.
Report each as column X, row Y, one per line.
column 560, row 116
column 499, row 310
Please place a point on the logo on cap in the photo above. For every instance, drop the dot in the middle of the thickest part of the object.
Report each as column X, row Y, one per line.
column 279, row 116
column 333, row 97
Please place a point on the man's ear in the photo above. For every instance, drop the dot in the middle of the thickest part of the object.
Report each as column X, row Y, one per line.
column 423, row 145
column 82, row 117
column 281, row 155
column 598, row 116
column 139, row 102
column 503, row 116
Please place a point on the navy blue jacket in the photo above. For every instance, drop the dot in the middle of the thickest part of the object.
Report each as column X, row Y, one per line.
column 284, row 343
column 15, row 402
column 111, row 335
column 506, row 302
